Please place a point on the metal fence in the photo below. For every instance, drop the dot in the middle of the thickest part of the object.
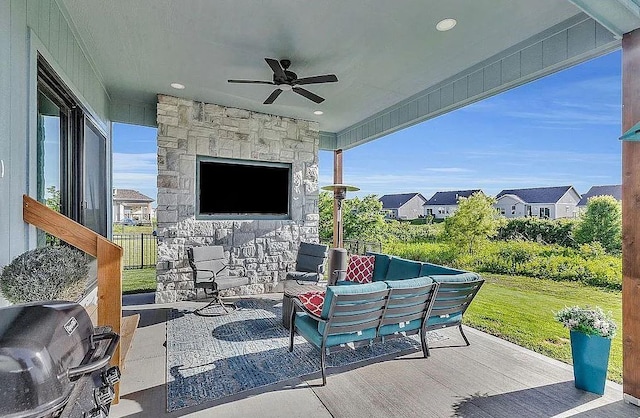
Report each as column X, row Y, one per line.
column 359, row 247
column 139, row 250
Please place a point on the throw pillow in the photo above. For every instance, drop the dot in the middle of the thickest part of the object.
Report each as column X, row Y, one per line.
column 360, row 268
column 312, row 301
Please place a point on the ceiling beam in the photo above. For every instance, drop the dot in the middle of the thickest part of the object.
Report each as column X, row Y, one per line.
column 618, row 16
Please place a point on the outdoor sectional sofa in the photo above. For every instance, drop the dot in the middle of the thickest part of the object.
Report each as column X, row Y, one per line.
column 405, row 297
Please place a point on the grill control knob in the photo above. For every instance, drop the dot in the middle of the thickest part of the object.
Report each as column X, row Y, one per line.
column 111, row 376
column 103, row 396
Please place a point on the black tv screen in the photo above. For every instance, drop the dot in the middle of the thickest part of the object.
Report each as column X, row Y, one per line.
column 245, row 189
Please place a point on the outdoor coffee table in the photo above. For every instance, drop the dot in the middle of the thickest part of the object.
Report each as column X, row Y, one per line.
column 291, row 290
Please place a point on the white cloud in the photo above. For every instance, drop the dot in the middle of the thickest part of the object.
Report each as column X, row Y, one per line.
column 136, row 171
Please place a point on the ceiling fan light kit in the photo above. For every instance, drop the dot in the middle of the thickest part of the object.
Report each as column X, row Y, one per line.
column 286, row 80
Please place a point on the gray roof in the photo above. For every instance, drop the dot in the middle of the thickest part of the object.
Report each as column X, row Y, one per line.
column 450, row 197
column 612, row 190
column 538, row 194
column 394, row 201
column 130, row 195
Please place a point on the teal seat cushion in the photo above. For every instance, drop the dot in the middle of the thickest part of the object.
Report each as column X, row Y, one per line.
column 401, row 269
column 406, row 284
column 393, row 328
column 462, row 277
column 429, row 269
column 362, row 289
column 435, row 321
column 380, row 266
column 308, row 328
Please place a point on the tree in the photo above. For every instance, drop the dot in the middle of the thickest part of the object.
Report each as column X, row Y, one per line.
column 602, row 222
column 53, row 198
column 473, row 223
column 325, row 210
column 362, row 219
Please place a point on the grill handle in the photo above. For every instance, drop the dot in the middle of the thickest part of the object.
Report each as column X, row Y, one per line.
column 102, row 361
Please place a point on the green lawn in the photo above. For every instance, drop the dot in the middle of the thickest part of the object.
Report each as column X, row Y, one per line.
column 521, row 310
column 139, row 280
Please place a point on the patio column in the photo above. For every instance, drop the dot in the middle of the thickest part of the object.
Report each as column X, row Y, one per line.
column 631, row 219
column 337, row 179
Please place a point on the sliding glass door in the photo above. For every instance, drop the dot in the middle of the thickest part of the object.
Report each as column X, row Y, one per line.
column 71, row 156
column 94, row 156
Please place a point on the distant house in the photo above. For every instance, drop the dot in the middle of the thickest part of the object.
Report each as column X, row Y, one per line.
column 403, row 206
column 444, row 204
column 541, row 202
column 613, row 190
column 128, row 203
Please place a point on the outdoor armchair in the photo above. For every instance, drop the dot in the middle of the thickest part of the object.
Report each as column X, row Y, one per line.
column 310, row 263
column 211, row 273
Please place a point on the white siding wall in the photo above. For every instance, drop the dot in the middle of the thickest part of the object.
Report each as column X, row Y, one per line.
column 567, row 205
column 505, row 206
column 441, row 211
column 413, row 209
column 25, row 28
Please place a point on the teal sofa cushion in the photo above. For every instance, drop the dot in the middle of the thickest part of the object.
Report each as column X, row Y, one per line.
column 380, row 266
column 393, row 328
column 429, row 269
column 408, row 283
column 435, row 321
column 346, row 283
column 401, row 269
column 348, row 290
column 405, row 284
column 308, row 328
column 461, row 277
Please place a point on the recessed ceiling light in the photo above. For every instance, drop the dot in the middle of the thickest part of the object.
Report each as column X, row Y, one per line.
column 446, row 24
column 177, row 86
column 318, row 112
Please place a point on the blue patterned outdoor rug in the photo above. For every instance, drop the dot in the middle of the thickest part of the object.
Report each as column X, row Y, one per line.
column 209, row 358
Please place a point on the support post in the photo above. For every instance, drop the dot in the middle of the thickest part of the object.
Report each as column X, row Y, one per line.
column 337, row 215
column 631, row 219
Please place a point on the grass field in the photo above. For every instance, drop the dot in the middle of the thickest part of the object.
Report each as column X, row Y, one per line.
column 140, row 248
column 139, row 281
column 521, row 310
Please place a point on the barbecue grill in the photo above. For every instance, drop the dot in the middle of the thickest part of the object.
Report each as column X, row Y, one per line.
column 54, row 362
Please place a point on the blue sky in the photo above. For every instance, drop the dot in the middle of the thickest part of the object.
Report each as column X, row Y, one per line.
column 560, row 130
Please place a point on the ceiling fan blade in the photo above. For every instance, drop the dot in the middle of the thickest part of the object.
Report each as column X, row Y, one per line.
column 306, row 93
column 328, row 78
column 251, row 82
column 276, row 67
column 273, row 96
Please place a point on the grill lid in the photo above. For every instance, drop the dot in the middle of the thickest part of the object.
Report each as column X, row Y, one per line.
column 39, row 342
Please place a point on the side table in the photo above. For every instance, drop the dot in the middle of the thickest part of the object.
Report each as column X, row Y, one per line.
column 291, row 290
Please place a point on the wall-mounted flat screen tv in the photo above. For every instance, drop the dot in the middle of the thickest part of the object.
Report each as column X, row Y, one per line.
column 242, row 189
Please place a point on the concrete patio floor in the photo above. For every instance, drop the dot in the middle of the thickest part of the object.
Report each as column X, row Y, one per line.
column 490, row 378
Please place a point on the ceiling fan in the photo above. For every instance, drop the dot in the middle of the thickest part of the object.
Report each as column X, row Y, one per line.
column 286, row 80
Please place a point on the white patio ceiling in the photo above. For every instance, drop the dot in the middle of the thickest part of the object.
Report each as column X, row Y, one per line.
column 394, row 67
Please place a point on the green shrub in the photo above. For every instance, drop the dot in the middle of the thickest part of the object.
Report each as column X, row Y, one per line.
column 46, row 273
column 406, row 232
column 549, row 231
column 588, row 264
column 602, row 223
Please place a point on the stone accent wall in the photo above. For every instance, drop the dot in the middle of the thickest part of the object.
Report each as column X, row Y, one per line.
column 260, row 249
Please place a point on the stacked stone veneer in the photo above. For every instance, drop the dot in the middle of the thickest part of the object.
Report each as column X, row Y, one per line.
column 260, row 249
